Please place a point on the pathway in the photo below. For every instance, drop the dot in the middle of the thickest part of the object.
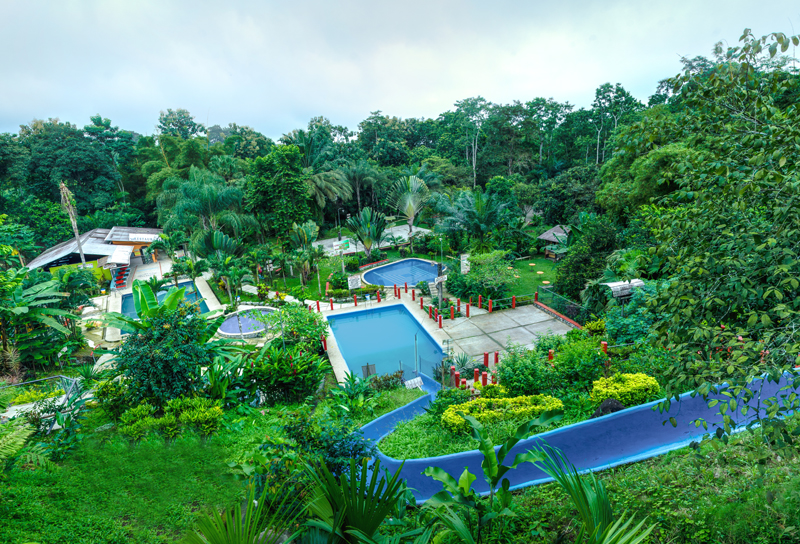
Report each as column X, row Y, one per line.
column 399, row 232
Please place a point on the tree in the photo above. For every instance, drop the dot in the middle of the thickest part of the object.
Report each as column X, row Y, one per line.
column 473, row 113
column 68, row 203
column 277, row 190
column 185, row 266
column 475, row 213
column 368, row 226
column 179, row 123
column 409, row 195
column 359, row 176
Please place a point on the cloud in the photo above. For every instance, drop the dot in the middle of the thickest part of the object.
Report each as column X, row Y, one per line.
column 274, row 65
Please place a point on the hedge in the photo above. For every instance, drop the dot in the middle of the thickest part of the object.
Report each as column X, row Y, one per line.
column 488, row 411
column 629, row 389
column 492, row 391
column 348, row 293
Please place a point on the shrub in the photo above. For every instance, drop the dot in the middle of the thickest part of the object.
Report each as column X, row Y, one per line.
column 204, row 420
column 492, row 391
column 351, row 264
column 576, row 334
column 578, row 364
column 526, row 373
column 489, row 411
column 112, row 398
column 299, row 327
column 163, row 361
column 33, row 395
column 137, row 421
column 634, row 323
column 596, row 327
column 338, row 280
column 404, row 252
column 424, row 288
column 446, row 398
column 347, row 294
column 288, row 375
column 546, row 342
column 387, row 382
column 629, row 389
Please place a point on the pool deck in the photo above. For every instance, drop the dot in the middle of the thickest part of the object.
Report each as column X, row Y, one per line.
column 482, row 332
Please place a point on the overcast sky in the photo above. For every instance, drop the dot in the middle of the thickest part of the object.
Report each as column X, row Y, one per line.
column 274, row 65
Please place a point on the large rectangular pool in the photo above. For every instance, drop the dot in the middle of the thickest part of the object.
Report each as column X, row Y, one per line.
column 190, row 295
column 385, row 337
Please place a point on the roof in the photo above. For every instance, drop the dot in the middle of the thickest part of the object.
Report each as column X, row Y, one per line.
column 623, row 288
column 132, row 234
column 92, row 243
column 557, row 234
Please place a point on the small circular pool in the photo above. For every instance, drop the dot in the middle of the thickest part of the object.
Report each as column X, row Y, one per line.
column 249, row 320
column 411, row 271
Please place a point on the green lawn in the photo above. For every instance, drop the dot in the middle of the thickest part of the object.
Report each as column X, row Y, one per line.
column 529, row 281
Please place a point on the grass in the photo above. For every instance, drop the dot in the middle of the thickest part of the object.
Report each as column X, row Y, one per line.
column 529, row 281
column 387, row 401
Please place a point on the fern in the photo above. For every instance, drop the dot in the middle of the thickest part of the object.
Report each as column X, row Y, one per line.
column 12, row 439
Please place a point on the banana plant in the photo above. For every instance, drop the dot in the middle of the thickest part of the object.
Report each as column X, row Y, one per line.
column 459, row 495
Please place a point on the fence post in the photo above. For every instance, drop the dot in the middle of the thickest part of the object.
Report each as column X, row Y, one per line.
column 440, row 321
column 467, row 310
column 378, row 292
column 452, row 313
column 457, row 377
column 536, row 296
column 550, row 355
column 483, row 378
column 324, row 344
column 463, row 383
column 480, row 301
column 395, row 291
column 430, row 311
column 331, row 304
column 459, row 305
column 318, row 308
column 477, row 375
column 494, row 378
column 514, row 301
column 421, row 305
column 452, row 375
column 496, row 358
column 486, row 358
column 355, row 300
column 604, row 345
column 413, row 294
column 406, row 284
column 490, row 305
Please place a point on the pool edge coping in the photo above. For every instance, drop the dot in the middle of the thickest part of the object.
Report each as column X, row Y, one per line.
column 364, row 273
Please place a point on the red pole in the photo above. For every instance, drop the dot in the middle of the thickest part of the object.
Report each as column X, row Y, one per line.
column 413, row 294
column 494, row 378
column 458, row 378
column 604, row 345
column 480, row 301
column 406, row 284
column 483, row 378
column 485, row 358
column 440, row 321
column 378, row 292
column 496, row 358
column 436, row 313
column 514, row 301
column 310, row 308
column 421, row 304
column 452, row 375
column 477, row 375
column 459, row 305
column 463, row 383
column 536, row 296
column 355, row 300
column 452, row 313
column 396, row 293
column 430, row 311
column 550, row 355
column 467, row 310
column 331, row 304
column 324, row 344
column 490, row 305
column 318, row 308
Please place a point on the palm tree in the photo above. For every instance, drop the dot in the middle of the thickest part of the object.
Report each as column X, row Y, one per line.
column 184, row 266
column 359, row 175
column 409, row 195
column 23, row 307
column 303, row 236
column 369, row 228
column 474, row 212
column 68, row 203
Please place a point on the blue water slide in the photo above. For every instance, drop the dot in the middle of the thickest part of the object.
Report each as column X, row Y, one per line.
column 627, row 436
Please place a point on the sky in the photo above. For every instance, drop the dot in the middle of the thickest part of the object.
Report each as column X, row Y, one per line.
column 274, row 65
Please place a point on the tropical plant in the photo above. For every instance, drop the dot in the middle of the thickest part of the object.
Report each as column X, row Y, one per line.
column 368, row 226
column 284, row 375
column 147, row 306
column 261, row 521
column 359, row 175
column 354, row 394
column 352, row 507
column 184, row 266
column 458, row 495
column 13, row 436
column 476, row 213
column 409, row 195
column 589, row 497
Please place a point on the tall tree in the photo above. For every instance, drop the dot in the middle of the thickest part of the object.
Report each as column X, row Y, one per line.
column 179, row 123
column 473, row 112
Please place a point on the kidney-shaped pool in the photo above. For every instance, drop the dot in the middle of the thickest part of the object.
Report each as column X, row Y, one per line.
column 411, row 271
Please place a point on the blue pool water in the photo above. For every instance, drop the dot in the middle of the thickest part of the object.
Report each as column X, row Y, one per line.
column 190, row 295
column 250, row 322
column 384, row 337
column 411, row 271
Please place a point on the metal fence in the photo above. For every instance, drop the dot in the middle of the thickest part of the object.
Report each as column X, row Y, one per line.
column 564, row 306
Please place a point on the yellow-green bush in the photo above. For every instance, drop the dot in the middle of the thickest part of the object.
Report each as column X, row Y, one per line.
column 34, row 395
column 596, row 327
column 489, row 411
column 629, row 389
column 492, row 391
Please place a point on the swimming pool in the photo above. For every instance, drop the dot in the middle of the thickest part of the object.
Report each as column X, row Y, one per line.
column 385, row 337
column 251, row 324
column 411, row 271
column 190, row 295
